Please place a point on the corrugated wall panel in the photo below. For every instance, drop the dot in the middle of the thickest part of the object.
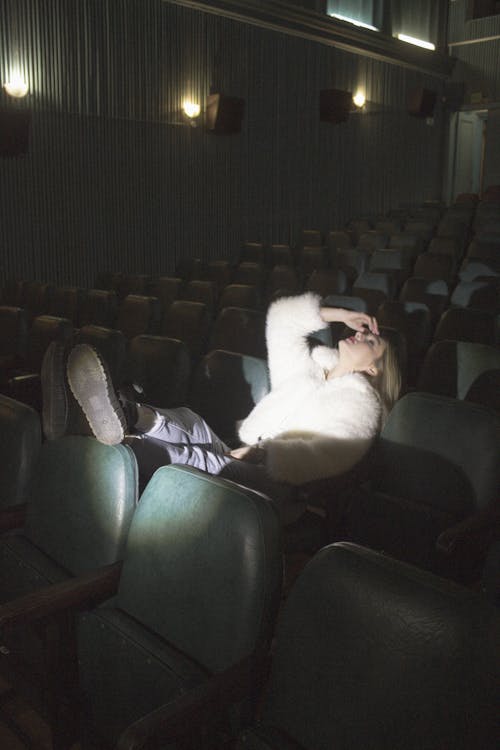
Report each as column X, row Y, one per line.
column 113, row 178
column 460, row 29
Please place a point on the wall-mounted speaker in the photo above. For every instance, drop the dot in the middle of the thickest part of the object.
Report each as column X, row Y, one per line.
column 14, row 133
column 334, row 105
column 421, row 102
column 224, row 114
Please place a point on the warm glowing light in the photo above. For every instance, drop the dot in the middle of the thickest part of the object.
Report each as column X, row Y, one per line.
column 359, row 99
column 191, row 109
column 354, row 21
column 418, row 42
column 16, row 86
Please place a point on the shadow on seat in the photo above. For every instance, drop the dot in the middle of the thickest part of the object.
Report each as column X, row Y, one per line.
column 20, row 441
column 78, row 514
column 198, row 594
column 362, row 630
column 434, row 466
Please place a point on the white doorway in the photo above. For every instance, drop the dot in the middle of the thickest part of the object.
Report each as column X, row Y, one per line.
column 466, row 153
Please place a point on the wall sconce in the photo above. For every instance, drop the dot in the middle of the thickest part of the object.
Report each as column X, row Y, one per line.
column 359, row 100
column 16, row 86
column 191, row 111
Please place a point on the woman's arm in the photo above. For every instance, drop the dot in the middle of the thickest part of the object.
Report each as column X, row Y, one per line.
column 289, row 322
column 352, row 318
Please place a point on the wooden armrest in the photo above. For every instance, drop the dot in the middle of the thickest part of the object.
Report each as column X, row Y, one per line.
column 94, row 586
column 183, row 716
column 13, row 517
column 483, row 526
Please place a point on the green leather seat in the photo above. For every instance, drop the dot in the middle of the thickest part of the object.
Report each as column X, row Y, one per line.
column 373, row 653
column 199, row 591
column 451, row 367
column 82, row 499
column 239, row 329
column 81, row 502
column 20, row 440
column 434, row 465
column 226, row 387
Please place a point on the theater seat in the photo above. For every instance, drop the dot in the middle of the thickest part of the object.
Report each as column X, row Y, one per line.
column 78, row 513
column 226, row 387
column 237, row 329
column 468, row 324
column 451, row 367
column 369, row 653
column 20, row 440
column 434, row 465
column 198, row 594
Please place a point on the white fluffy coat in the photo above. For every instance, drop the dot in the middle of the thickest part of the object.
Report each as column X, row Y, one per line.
column 311, row 427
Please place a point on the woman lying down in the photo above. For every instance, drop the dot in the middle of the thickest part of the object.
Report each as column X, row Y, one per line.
column 319, row 419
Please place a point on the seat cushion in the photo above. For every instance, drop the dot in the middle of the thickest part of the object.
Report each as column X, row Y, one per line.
column 116, row 655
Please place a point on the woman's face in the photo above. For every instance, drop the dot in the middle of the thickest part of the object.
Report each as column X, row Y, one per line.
column 360, row 352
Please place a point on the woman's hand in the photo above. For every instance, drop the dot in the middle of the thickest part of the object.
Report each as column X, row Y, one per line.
column 250, row 453
column 358, row 321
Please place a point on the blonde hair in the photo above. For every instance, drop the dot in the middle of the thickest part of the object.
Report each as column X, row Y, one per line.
column 387, row 381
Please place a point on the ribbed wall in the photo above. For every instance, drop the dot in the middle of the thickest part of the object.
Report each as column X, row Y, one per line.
column 113, row 181
column 479, row 61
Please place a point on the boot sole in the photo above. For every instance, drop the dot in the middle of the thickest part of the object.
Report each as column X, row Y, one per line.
column 91, row 386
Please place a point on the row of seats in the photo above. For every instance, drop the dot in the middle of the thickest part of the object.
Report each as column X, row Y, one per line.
column 187, row 615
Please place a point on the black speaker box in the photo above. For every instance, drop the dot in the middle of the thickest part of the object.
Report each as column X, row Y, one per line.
column 14, row 132
column 421, row 102
column 224, row 114
column 334, row 105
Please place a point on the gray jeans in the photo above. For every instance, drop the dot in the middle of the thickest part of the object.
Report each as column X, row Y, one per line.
column 180, row 436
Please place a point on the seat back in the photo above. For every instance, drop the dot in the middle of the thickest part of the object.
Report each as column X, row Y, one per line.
column 83, row 497
column 327, row 281
column 162, row 367
column 252, row 274
column 432, row 266
column 468, row 324
column 374, row 288
column 373, row 239
column 190, row 322
column 451, row 367
column 99, row 308
column 20, row 440
column 67, row 302
column 310, row 258
column 481, row 294
column 188, row 575
column 167, row 289
column 373, row 653
column 310, row 238
column 281, row 255
column 220, row 272
column 36, row 297
column 44, row 330
column 138, row 314
column 242, row 330
column 226, row 387
column 240, row 295
column 252, row 252
column 201, row 290
column 439, row 452
column 13, row 331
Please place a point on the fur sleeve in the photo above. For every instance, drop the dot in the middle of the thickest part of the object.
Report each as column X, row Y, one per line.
column 289, row 321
